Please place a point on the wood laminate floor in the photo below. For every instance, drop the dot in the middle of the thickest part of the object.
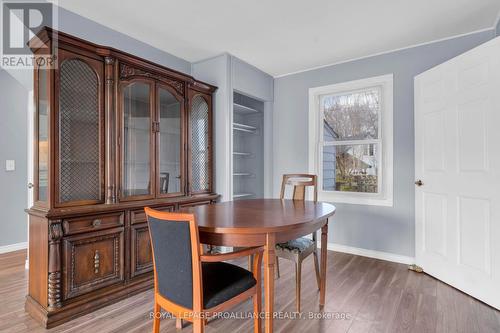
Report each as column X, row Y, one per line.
column 363, row 295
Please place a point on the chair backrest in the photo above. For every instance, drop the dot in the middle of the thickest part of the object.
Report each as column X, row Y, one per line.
column 175, row 245
column 299, row 183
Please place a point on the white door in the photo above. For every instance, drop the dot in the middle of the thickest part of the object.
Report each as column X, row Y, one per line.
column 457, row 157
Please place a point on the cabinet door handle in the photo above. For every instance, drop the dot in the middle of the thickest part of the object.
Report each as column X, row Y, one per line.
column 96, row 223
column 30, row 185
column 97, row 262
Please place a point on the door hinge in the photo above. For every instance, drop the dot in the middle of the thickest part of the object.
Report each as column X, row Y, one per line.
column 415, row 268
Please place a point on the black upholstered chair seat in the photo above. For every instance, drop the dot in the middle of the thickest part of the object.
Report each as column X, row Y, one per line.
column 296, row 245
column 223, row 281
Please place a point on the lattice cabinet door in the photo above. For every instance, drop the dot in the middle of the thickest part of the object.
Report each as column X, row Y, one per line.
column 200, row 143
column 79, row 161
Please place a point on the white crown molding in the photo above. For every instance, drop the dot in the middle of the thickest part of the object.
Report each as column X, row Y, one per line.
column 397, row 258
column 386, row 52
column 13, row 247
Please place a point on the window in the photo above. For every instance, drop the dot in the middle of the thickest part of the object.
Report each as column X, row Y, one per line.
column 350, row 144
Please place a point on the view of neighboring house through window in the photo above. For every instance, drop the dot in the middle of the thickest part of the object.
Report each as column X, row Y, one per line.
column 351, row 140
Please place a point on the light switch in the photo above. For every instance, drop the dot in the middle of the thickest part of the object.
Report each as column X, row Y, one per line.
column 10, row 165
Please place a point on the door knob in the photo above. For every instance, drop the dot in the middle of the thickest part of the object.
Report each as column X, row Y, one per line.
column 419, row 182
column 30, row 185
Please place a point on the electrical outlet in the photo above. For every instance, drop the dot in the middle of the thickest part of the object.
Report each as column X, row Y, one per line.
column 10, row 165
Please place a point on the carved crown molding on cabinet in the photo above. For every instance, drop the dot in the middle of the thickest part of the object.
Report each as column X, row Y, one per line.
column 127, row 71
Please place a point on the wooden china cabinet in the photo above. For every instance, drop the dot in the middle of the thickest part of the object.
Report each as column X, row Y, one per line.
column 113, row 133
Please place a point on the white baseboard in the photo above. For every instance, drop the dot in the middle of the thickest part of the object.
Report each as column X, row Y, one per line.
column 370, row 253
column 13, row 247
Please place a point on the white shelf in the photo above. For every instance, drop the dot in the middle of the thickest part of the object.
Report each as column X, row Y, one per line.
column 240, row 125
column 240, row 153
column 242, row 195
column 242, row 174
column 243, row 110
column 243, row 130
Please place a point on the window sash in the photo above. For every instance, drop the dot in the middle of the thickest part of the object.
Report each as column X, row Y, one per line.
column 377, row 141
column 380, row 180
column 381, row 90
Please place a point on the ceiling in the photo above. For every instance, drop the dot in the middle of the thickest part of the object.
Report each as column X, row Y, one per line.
column 284, row 36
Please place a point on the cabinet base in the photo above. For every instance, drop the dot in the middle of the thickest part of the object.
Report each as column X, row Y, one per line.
column 85, row 304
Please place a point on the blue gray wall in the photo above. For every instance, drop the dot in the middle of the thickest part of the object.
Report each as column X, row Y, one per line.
column 82, row 27
column 387, row 229
column 13, row 146
column 14, row 88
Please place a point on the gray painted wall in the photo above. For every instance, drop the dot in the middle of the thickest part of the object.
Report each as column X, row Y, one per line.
column 82, row 27
column 217, row 71
column 251, row 80
column 13, row 146
column 387, row 229
column 15, row 86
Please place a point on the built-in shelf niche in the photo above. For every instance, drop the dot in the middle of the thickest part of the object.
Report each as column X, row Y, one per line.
column 248, row 147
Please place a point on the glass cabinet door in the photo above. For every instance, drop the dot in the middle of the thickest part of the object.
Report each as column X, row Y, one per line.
column 80, row 167
column 200, row 145
column 169, row 143
column 137, row 140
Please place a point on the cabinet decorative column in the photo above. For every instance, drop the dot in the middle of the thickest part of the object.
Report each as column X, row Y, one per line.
column 110, row 131
column 54, row 282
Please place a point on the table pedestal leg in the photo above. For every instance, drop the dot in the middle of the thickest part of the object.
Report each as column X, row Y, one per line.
column 324, row 241
column 269, row 260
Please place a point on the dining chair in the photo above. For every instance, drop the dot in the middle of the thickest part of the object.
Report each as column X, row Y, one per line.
column 298, row 249
column 191, row 285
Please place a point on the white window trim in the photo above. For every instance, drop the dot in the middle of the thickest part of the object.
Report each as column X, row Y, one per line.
column 385, row 197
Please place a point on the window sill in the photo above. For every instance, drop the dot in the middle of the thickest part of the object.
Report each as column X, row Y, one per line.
column 356, row 199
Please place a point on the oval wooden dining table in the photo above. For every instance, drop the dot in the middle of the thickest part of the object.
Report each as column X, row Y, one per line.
column 265, row 222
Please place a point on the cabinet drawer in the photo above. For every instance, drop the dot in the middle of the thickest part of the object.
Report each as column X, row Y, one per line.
column 141, row 256
column 139, row 216
column 92, row 223
column 92, row 261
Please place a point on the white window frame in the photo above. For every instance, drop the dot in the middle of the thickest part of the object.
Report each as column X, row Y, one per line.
column 385, row 173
